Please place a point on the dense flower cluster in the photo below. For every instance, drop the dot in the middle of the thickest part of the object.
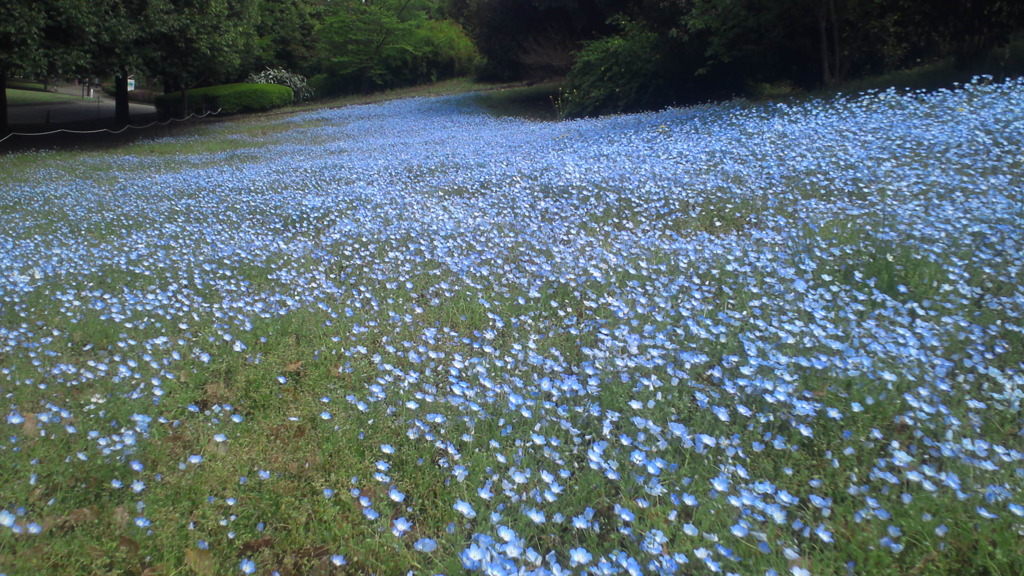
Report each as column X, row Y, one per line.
column 719, row 338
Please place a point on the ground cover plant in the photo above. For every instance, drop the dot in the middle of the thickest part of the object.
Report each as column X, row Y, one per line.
column 741, row 338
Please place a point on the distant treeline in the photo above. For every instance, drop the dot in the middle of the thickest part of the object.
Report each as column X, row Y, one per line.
column 632, row 54
column 615, row 54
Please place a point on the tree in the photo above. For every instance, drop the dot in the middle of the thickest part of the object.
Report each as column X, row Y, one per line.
column 384, row 43
column 49, row 38
column 966, row 29
column 189, row 42
column 119, row 46
column 286, row 35
column 536, row 38
column 21, row 31
column 791, row 39
column 368, row 41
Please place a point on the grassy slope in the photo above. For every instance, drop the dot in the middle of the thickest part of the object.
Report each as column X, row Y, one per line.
column 90, row 534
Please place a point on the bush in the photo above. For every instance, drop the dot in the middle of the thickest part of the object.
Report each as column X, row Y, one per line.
column 142, row 96
column 327, row 85
column 228, row 98
column 614, row 74
column 301, row 89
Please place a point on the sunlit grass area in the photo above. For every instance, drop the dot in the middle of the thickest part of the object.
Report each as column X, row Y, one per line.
column 413, row 335
column 16, row 97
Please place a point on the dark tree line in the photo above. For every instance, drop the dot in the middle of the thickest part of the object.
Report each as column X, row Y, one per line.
column 671, row 50
column 616, row 54
column 345, row 45
column 627, row 54
column 185, row 42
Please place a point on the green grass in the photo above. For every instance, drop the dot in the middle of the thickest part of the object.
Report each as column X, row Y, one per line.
column 25, row 85
column 27, row 97
column 297, row 360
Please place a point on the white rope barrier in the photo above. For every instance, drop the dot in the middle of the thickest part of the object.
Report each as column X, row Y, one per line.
column 151, row 124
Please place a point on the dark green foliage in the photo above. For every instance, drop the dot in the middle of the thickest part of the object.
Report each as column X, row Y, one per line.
column 687, row 50
column 228, row 98
column 286, row 35
column 446, row 51
column 196, row 42
column 44, row 39
column 535, row 39
column 967, row 30
column 325, row 85
column 373, row 45
column 614, row 74
column 670, row 52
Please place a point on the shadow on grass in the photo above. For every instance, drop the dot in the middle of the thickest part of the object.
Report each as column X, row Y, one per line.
column 535, row 102
column 83, row 135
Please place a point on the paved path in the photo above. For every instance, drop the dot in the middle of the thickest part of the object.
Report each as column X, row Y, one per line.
column 52, row 114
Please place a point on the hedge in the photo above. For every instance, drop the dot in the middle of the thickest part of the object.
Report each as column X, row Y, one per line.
column 228, row 98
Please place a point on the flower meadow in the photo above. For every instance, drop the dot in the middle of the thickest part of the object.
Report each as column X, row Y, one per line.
column 738, row 338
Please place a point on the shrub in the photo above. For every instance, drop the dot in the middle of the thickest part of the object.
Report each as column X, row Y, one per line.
column 140, row 95
column 613, row 74
column 228, row 98
column 143, row 96
column 301, row 89
column 327, row 85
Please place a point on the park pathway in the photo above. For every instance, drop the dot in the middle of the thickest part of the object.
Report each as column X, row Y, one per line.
column 73, row 111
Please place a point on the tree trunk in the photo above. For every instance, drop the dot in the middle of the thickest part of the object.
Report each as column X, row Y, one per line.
column 837, row 71
column 121, row 109
column 185, row 109
column 3, row 100
column 826, row 73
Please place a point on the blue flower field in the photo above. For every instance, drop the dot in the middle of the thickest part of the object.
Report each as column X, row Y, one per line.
column 739, row 338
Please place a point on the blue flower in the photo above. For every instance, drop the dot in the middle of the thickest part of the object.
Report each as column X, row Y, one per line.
column 465, row 508
column 400, row 526
column 395, row 495
column 535, row 515
column 579, row 557
column 425, row 545
column 822, row 532
column 720, row 483
column 986, row 514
